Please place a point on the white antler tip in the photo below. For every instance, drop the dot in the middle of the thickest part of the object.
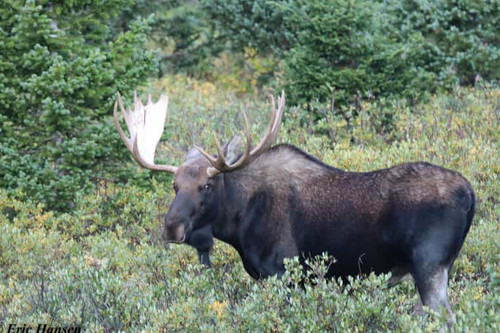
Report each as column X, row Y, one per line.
column 144, row 133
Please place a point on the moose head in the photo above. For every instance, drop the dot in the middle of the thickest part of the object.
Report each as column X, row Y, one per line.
column 198, row 182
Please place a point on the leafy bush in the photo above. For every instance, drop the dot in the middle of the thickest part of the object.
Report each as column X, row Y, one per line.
column 61, row 66
column 181, row 31
column 359, row 49
column 332, row 42
column 458, row 39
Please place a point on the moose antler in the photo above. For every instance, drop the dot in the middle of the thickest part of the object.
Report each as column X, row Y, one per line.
column 145, row 125
column 220, row 164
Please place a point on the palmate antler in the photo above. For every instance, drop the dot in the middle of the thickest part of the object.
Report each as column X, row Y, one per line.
column 219, row 163
column 145, row 125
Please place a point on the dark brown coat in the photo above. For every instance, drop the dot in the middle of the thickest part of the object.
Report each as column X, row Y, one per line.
column 411, row 218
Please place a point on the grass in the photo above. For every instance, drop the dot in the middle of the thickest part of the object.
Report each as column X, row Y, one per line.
column 103, row 266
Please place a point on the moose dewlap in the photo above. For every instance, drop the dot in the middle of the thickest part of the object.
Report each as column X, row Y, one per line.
column 272, row 203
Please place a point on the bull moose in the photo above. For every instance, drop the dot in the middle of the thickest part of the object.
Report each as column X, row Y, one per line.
column 275, row 202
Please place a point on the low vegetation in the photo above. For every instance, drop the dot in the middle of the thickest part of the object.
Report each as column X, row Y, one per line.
column 103, row 266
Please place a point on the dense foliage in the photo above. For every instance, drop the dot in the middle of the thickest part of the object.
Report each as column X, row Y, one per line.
column 103, row 266
column 365, row 49
column 341, row 50
column 60, row 66
column 258, row 24
column 460, row 40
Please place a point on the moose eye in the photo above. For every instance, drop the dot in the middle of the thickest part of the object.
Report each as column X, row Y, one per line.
column 207, row 186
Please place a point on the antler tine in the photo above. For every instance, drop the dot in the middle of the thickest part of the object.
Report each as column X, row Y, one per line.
column 248, row 145
column 269, row 128
column 219, row 164
column 274, row 123
column 124, row 138
column 277, row 123
column 145, row 124
column 209, row 157
column 220, row 150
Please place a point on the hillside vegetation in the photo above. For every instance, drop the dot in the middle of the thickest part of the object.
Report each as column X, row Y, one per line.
column 103, row 266
column 369, row 84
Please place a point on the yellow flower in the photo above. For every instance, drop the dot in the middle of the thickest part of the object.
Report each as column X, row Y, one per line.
column 218, row 307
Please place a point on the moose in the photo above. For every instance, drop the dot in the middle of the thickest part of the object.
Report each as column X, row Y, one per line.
column 276, row 202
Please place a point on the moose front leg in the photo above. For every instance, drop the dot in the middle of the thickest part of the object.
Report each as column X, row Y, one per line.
column 202, row 240
column 204, row 256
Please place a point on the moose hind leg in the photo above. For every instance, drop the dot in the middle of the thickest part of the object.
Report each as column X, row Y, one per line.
column 432, row 285
column 439, row 241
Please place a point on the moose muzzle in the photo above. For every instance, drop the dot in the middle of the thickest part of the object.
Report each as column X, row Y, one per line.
column 174, row 232
column 178, row 219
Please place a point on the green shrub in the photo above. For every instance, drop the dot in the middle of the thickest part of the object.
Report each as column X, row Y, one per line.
column 351, row 50
column 182, row 32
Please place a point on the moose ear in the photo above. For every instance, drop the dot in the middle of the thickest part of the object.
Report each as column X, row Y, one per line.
column 232, row 149
column 192, row 156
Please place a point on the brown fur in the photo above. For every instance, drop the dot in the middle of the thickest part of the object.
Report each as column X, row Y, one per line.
column 365, row 192
column 410, row 218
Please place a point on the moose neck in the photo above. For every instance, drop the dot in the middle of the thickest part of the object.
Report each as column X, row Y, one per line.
column 231, row 208
column 274, row 171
